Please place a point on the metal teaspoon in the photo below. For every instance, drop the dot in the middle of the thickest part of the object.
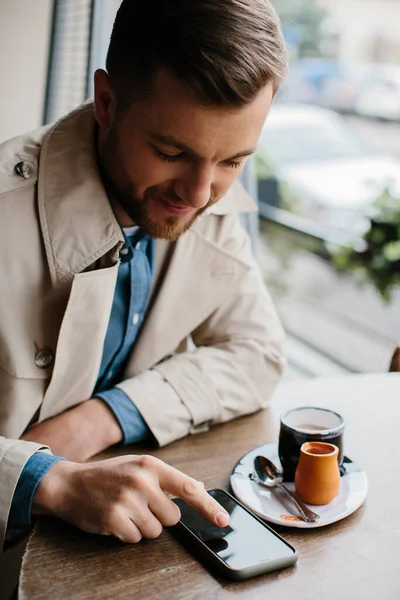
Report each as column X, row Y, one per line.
column 269, row 476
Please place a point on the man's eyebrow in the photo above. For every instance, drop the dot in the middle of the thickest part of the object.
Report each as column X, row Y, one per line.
column 170, row 141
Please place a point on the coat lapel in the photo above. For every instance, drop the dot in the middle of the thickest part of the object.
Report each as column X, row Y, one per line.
column 80, row 342
column 192, row 279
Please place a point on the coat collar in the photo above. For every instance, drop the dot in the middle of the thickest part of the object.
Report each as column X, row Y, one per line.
column 77, row 221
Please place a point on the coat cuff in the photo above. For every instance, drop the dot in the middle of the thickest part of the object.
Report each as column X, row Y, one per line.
column 14, row 454
column 160, row 406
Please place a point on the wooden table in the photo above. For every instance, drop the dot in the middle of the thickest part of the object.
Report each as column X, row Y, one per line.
column 356, row 558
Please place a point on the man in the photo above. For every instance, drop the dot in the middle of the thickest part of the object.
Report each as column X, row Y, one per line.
column 120, row 244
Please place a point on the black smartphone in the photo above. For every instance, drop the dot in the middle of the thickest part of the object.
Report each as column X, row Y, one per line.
column 245, row 548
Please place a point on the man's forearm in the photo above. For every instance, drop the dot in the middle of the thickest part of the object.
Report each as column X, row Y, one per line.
column 78, row 433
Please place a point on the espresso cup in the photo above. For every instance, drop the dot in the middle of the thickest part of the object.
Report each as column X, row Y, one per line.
column 317, row 479
column 307, row 424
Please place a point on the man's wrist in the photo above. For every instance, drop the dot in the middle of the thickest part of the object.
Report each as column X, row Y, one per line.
column 104, row 422
column 51, row 492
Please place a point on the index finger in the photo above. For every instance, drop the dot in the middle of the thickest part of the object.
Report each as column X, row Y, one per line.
column 192, row 491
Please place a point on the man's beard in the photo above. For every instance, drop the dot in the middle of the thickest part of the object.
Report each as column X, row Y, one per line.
column 123, row 192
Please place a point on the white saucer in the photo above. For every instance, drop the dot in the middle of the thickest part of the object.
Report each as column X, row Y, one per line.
column 273, row 505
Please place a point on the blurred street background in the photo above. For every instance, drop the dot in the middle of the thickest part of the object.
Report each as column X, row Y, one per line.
column 384, row 135
column 330, row 149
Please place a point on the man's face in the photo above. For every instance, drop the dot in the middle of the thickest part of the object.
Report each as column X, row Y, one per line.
column 167, row 159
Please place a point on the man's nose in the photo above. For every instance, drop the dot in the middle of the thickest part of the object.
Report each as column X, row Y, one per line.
column 195, row 187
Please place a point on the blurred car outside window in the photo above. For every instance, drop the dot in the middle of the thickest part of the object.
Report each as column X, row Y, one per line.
column 333, row 175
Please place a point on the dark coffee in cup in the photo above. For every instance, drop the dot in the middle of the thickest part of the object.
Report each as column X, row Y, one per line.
column 307, row 424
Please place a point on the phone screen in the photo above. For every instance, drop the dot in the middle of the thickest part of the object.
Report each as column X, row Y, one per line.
column 243, row 543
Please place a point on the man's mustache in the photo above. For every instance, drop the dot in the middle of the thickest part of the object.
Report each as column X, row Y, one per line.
column 172, row 198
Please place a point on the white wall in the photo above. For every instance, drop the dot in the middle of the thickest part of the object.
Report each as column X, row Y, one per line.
column 24, row 44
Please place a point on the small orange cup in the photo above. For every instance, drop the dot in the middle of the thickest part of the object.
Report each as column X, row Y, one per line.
column 317, row 478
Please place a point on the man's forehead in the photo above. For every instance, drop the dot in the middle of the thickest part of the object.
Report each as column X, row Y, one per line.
column 171, row 115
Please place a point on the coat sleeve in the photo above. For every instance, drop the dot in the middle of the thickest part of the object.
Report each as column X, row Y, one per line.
column 234, row 367
column 14, row 454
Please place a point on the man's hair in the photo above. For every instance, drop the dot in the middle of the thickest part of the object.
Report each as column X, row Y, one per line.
column 223, row 52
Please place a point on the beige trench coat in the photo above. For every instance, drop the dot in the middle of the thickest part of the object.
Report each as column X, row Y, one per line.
column 59, row 243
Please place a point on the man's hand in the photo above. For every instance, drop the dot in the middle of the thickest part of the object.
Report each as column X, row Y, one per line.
column 78, row 433
column 123, row 496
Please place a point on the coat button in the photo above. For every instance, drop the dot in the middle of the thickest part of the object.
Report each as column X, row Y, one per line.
column 44, row 358
column 23, row 169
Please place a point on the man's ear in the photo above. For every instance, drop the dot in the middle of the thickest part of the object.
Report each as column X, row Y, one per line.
column 104, row 100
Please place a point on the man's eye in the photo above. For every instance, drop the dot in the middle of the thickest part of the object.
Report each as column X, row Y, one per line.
column 167, row 157
column 233, row 163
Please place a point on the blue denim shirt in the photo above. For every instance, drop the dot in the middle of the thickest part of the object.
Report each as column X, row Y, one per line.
column 135, row 274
